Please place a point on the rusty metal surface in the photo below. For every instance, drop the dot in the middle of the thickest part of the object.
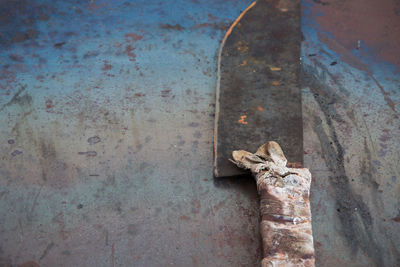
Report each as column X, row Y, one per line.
column 106, row 125
column 259, row 94
column 351, row 99
column 106, row 121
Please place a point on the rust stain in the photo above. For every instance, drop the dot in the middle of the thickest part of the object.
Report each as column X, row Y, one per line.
column 244, row 63
column 397, row 218
column 129, row 50
column 133, row 37
column 106, row 66
column 184, row 218
column 376, row 24
column 275, row 83
column 49, row 104
column 260, row 108
column 215, row 25
column 274, row 68
column 175, row 27
column 242, row 47
column 242, row 120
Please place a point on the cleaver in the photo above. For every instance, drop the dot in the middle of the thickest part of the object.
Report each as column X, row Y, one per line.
column 258, row 94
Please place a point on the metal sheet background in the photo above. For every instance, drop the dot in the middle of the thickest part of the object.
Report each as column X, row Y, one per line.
column 140, row 76
column 351, row 99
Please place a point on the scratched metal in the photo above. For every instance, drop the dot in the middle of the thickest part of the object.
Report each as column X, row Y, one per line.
column 259, row 91
column 351, row 101
column 106, row 125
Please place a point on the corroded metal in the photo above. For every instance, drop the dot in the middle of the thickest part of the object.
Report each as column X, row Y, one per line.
column 285, row 207
column 258, row 90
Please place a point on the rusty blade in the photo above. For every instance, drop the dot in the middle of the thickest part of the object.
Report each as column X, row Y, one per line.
column 258, row 88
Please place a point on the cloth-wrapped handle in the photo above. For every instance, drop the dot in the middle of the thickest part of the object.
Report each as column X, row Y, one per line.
column 286, row 223
column 285, row 207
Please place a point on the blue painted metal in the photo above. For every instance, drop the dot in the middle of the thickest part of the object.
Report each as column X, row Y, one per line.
column 138, row 78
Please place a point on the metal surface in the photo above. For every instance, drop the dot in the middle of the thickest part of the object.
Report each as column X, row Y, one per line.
column 351, row 99
column 106, row 124
column 141, row 76
column 259, row 94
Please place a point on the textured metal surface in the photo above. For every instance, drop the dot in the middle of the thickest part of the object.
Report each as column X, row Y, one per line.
column 106, row 121
column 351, row 122
column 141, row 75
column 259, row 94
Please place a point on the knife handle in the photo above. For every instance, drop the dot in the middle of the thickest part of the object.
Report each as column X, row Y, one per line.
column 286, row 218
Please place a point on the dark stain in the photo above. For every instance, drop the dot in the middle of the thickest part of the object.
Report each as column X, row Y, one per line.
column 59, row 45
column 353, row 213
column 195, row 145
column 118, row 207
column 16, row 153
column 147, row 139
column 90, row 54
column 197, row 134
column 194, row 124
column 320, row 2
column 20, row 37
column 19, row 20
column 66, row 253
column 49, row 105
column 88, row 153
column 23, row 100
column 17, row 58
column 139, row 147
column 106, row 66
column 94, row 140
column 43, row 16
column 129, row 51
column 133, row 229
column 11, row 141
column 46, row 250
column 220, row 25
column 175, row 27
column 184, row 218
column 133, row 37
column 397, row 218
column 79, row 206
column 165, row 93
column 196, row 206
column 47, row 149
column 367, row 170
column 48, row 159
column 181, row 142
column 333, row 63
